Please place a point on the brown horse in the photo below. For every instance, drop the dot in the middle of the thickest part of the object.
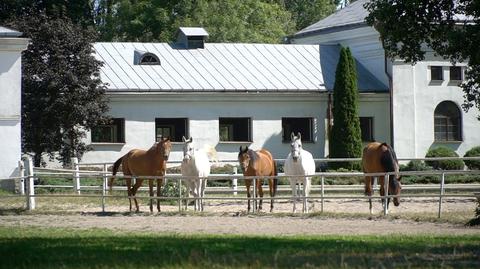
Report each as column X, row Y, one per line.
column 137, row 163
column 258, row 164
column 377, row 158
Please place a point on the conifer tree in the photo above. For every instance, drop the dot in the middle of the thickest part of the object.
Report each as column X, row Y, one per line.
column 345, row 139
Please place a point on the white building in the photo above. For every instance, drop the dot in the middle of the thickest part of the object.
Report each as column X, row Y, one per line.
column 11, row 47
column 224, row 95
column 425, row 98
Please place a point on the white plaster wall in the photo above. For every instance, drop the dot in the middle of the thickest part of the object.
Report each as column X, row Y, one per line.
column 10, row 108
column 203, row 112
column 415, row 99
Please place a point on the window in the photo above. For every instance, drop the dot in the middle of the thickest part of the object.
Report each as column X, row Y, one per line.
column 436, row 73
column 112, row 132
column 456, row 73
column 174, row 128
column 366, row 127
column 195, row 42
column 447, row 122
column 304, row 126
column 235, row 129
column 149, row 59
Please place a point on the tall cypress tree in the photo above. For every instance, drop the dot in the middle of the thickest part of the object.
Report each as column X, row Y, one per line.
column 345, row 139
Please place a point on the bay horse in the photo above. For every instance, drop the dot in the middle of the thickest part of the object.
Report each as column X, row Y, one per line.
column 137, row 163
column 377, row 158
column 258, row 164
column 196, row 164
column 300, row 167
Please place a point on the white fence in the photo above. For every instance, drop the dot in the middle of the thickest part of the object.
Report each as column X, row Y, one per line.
column 28, row 174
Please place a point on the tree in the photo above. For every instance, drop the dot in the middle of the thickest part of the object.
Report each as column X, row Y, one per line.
column 307, row 12
column 345, row 139
column 62, row 93
column 450, row 28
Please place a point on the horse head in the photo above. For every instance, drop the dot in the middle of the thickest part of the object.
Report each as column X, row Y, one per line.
column 188, row 149
column 163, row 147
column 244, row 158
column 395, row 186
column 296, row 146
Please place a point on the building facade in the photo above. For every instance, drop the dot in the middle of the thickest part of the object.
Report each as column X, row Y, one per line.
column 11, row 47
column 425, row 98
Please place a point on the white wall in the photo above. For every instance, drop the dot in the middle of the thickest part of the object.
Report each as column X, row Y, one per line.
column 415, row 99
column 10, row 108
column 203, row 111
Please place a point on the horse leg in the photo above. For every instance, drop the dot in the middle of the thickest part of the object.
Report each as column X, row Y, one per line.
column 129, row 191
column 135, row 188
column 159, row 192
column 369, row 191
column 202, row 193
column 260, row 193
column 382, row 192
column 271, row 186
column 293, row 186
column 305, row 193
column 150, row 189
column 248, row 182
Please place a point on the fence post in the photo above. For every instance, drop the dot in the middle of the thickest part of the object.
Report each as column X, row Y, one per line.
column 322, row 189
column 31, row 187
column 442, row 191
column 180, row 195
column 235, row 181
column 76, row 174
column 21, row 173
column 104, row 185
column 385, row 194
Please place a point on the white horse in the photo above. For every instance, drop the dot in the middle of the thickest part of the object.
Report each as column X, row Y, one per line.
column 300, row 166
column 196, row 166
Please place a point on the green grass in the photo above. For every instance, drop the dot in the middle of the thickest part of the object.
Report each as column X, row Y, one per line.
column 61, row 248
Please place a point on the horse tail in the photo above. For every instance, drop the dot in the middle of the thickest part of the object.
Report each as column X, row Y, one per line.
column 116, row 165
column 389, row 160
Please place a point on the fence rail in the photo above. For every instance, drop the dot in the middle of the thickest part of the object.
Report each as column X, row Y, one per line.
column 28, row 174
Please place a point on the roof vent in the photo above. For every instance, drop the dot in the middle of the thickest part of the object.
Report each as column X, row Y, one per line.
column 192, row 37
column 145, row 58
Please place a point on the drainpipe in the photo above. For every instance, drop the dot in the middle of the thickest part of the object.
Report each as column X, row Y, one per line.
column 390, row 90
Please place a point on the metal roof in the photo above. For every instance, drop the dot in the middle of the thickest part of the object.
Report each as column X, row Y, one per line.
column 222, row 67
column 193, row 31
column 353, row 15
column 7, row 32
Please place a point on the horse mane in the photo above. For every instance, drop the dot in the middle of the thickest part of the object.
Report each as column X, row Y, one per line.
column 253, row 155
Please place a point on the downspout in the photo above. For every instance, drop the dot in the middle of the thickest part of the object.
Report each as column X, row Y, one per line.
column 390, row 91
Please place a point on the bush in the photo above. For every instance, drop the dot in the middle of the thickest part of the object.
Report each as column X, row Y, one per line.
column 473, row 152
column 446, row 164
column 415, row 165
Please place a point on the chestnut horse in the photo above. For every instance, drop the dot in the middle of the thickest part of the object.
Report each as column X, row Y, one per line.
column 377, row 158
column 258, row 164
column 137, row 163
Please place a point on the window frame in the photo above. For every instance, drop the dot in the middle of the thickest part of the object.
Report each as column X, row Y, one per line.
column 435, row 67
column 447, row 131
column 232, row 129
column 175, row 125
column 117, row 132
column 306, row 138
column 371, row 131
column 153, row 56
column 460, row 73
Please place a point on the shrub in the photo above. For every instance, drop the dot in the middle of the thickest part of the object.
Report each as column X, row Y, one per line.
column 473, row 164
column 415, row 165
column 446, row 164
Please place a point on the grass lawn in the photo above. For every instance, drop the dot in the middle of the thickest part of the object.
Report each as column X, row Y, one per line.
column 23, row 247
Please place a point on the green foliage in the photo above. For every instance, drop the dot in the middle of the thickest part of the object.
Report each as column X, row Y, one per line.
column 62, row 89
column 437, row 25
column 47, row 248
column 345, row 139
column 415, row 165
column 445, row 164
column 473, row 164
column 307, row 12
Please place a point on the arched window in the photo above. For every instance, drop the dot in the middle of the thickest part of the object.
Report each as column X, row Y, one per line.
column 448, row 122
column 149, row 59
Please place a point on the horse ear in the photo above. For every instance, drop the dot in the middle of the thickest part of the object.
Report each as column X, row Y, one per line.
column 299, row 136
column 190, row 140
column 292, row 136
column 240, row 149
column 183, row 138
column 246, row 148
